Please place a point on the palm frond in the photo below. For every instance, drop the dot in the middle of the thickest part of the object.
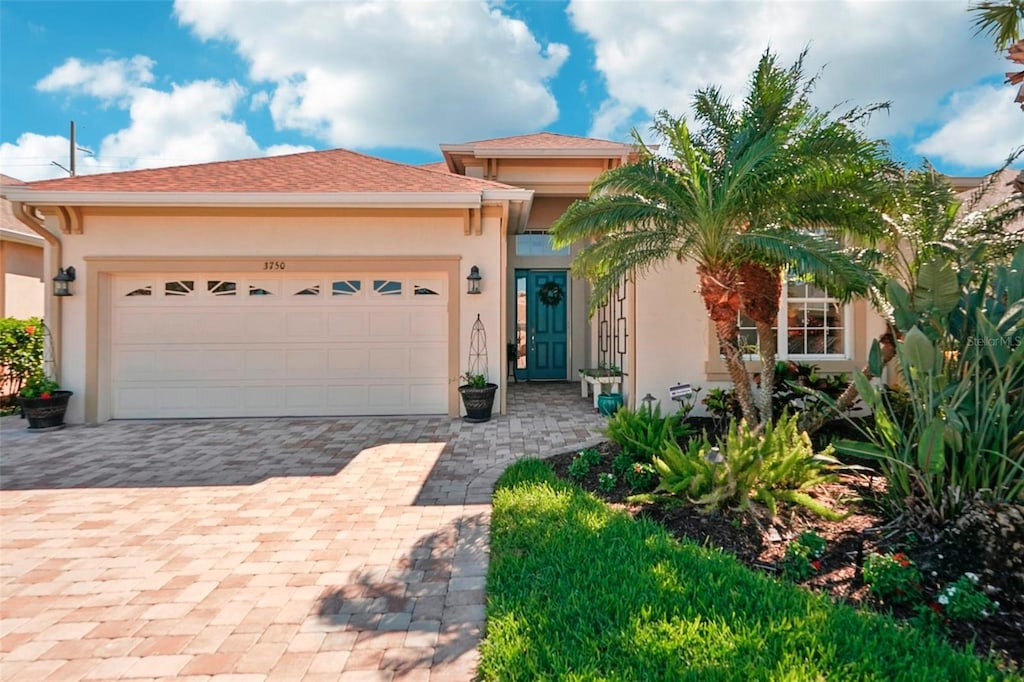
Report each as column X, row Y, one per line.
column 816, row 257
column 1003, row 22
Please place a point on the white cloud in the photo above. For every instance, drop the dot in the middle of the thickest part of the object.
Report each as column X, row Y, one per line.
column 984, row 127
column 193, row 122
column 282, row 149
column 259, row 100
column 190, row 124
column 109, row 80
column 401, row 74
column 654, row 55
column 32, row 157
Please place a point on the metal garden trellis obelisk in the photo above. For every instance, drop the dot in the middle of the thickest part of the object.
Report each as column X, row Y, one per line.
column 478, row 348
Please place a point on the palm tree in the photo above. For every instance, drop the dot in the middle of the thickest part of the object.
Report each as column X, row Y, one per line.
column 1004, row 23
column 749, row 192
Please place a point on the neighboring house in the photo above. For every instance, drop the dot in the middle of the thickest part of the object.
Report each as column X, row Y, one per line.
column 334, row 283
column 1008, row 183
column 22, row 288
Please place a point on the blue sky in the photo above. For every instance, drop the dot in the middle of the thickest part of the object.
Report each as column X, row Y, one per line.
column 164, row 83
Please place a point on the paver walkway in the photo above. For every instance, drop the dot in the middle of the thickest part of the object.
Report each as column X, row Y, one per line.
column 259, row 549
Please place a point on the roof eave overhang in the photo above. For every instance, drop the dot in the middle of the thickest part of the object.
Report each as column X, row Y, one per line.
column 469, row 199
column 552, row 153
column 20, row 237
column 454, row 151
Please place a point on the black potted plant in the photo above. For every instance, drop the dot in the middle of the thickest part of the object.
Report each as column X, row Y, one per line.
column 43, row 403
column 477, row 397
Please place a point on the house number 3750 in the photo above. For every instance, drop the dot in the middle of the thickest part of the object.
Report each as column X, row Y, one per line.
column 273, row 265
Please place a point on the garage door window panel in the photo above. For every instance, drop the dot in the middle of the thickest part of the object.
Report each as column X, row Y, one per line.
column 180, row 287
column 427, row 288
column 346, row 287
column 260, row 289
column 221, row 287
column 387, row 287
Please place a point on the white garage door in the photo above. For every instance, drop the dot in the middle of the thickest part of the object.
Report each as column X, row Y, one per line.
column 226, row 345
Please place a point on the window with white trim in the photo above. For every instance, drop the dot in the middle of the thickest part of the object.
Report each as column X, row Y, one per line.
column 811, row 325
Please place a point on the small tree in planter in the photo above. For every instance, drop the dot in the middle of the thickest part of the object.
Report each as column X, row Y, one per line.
column 43, row 403
column 477, row 393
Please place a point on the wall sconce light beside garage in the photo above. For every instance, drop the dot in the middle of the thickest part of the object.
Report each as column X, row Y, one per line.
column 62, row 282
column 473, row 281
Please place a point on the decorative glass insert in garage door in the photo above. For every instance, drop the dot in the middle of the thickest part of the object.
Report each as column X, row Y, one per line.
column 264, row 290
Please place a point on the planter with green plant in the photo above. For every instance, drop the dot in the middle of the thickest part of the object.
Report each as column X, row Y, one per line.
column 43, row 403
column 477, row 397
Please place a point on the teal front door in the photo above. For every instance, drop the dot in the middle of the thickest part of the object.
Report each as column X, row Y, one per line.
column 541, row 324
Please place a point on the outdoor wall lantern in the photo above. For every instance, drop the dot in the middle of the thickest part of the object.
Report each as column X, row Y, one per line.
column 62, row 282
column 473, row 281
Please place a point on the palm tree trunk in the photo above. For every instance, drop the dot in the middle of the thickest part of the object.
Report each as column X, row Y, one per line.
column 887, row 343
column 718, row 288
column 737, row 367
column 760, row 293
column 766, row 349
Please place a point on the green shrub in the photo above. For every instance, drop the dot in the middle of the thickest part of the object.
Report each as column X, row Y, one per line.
column 644, row 433
column 622, row 463
column 606, row 481
column 778, row 465
column 21, row 352
column 583, row 462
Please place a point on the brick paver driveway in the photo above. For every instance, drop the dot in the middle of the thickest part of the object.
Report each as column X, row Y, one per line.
column 269, row 549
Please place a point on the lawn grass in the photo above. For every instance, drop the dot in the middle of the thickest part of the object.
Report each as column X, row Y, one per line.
column 578, row 591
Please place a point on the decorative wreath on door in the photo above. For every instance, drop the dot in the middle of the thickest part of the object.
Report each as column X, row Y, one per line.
column 551, row 294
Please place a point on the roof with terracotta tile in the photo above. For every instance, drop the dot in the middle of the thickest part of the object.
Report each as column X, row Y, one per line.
column 7, row 219
column 546, row 140
column 335, row 170
column 439, row 166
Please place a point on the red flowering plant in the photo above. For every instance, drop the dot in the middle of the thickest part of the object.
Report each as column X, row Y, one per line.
column 803, row 557
column 892, row 577
column 39, row 386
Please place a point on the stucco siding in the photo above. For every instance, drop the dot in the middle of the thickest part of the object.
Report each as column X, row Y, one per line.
column 23, row 287
column 671, row 332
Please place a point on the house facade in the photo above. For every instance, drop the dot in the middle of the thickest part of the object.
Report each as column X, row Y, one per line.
column 335, row 283
column 22, row 290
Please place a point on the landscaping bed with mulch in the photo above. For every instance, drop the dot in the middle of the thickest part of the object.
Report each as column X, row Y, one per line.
column 760, row 544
